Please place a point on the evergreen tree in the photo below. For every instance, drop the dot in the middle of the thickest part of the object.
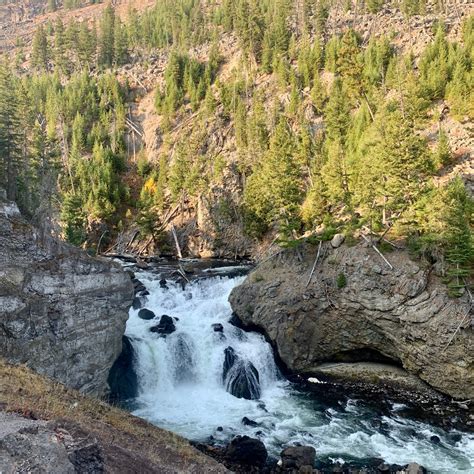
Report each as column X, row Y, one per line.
column 107, row 37
column 40, row 50
column 274, row 191
column 10, row 138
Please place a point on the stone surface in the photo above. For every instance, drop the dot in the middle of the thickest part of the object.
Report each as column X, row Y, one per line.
column 146, row 314
column 296, row 457
column 246, row 451
column 337, row 240
column 165, row 327
column 403, row 315
column 240, row 377
column 63, row 312
column 123, row 380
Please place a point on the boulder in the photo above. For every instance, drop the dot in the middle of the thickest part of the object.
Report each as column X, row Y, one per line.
column 402, row 314
column 413, row 468
column 337, row 240
column 240, row 377
column 217, row 327
column 248, row 422
column 295, row 457
column 146, row 314
column 165, row 327
column 246, row 451
column 230, row 358
column 137, row 303
column 163, row 284
column 63, row 312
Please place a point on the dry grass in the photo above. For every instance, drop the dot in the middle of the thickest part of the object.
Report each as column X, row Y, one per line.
column 33, row 396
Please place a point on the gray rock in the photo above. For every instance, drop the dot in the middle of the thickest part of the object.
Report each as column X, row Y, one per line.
column 296, row 457
column 404, row 314
column 337, row 240
column 63, row 312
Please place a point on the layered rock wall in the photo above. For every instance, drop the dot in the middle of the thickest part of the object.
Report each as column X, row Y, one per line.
column 357, row 308
column 62, row 312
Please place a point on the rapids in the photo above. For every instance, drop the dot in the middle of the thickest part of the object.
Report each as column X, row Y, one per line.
column 181, row 388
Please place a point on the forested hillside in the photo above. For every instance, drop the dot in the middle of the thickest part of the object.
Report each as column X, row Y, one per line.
column 247, row 121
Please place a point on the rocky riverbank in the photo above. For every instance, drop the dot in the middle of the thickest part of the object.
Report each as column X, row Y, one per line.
column 46, row 427
column 63, row 312
column 355, row 308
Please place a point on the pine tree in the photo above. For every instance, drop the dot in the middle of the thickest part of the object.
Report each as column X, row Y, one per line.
column 59, row 46
column 10, row 139
column 106, row 42
column 40, row 50
column 120, row 43
column 274, row 191
column 460, row 238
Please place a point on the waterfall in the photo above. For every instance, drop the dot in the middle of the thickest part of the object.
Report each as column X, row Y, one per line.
column 205, row 376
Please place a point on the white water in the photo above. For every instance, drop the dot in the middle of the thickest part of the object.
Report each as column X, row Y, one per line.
column 186, row 395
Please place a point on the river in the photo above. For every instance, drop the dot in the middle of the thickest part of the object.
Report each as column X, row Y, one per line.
column 181, row 389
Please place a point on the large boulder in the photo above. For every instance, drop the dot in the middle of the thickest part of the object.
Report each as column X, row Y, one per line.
column 63, row 312
column 246, row 451
column 296, row 457
column 240, row 377
column 165, row 327
column 403, row 315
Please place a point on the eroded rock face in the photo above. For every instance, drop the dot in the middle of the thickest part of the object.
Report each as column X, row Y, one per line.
column 403, row 314
column 62, row 312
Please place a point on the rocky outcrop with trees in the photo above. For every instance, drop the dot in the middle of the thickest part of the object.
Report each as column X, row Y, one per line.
column 63, row 312
column 355, row 308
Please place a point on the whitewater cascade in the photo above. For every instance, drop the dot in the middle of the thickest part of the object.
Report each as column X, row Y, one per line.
column 185, row 379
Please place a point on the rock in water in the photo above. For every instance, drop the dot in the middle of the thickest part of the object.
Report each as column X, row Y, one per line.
column 137, row 303
column 146, row 314
column 165, row 327
column 246, row 451
column 248, row 422
column 295, row 457
column 230, row 358
column 123, row 381
column 63, row 313
column 217, row 327
column 240, row 376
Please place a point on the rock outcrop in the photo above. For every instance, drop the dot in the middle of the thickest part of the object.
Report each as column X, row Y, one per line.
column 403, row 316
column 63, row 312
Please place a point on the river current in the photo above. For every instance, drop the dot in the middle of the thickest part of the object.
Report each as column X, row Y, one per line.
column 181, row 389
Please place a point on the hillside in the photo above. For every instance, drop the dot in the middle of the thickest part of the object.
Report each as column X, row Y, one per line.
column 50, row 428
column 244, row 123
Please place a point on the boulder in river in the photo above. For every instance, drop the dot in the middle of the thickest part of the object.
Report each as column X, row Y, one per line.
column 240, row 376
column 413, row 468
column 165, row 327
column 217, row 327
column 137, row 302
column 146, row 314
column 295, row 457
column 248, row 422
column 246, row 451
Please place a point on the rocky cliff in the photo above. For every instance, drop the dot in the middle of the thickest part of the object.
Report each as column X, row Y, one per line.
column 62, row 312
column 356, row 308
